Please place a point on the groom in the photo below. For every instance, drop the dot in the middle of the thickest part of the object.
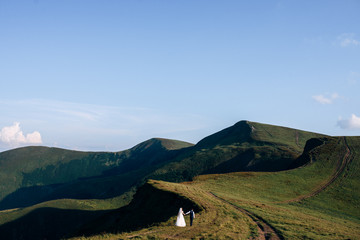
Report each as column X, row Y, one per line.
column 192, row 216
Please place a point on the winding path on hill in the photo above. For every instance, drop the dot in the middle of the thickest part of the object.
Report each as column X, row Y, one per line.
column 342, row 163
column 266, row 231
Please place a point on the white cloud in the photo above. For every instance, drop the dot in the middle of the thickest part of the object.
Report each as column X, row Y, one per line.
column 34, row 138
column 348, row 39
column 90, row 126
column 326, row 99
column 352, row 123
column 13, row 136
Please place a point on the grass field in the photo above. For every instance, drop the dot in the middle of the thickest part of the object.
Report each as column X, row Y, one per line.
column 37, row 174
column 269, row 182
column 234, row 205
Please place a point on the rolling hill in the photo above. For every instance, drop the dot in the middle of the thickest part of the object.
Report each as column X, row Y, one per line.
column 38, row 174
column 281, row 168
column 317, row 201
column 245, row 146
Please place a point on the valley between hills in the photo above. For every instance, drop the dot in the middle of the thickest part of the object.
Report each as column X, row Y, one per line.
column 248, row 181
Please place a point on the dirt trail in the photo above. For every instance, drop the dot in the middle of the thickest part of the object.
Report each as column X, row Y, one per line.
column 140, row 234
column 342, row 163
column 266, row 231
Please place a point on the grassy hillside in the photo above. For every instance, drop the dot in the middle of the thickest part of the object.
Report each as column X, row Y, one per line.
column 246, row 146
column 159, row 202
column 318, row 201
column 53, row 219
column 301, row 204
column 37, row 174
column 14, row 164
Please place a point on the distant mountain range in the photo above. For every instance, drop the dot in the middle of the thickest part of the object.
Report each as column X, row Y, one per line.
column 38, row 177
column 38, row 174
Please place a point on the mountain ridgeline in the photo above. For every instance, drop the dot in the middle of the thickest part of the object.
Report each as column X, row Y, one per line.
column 38, row 174
column 56, row 193
column 245, row 146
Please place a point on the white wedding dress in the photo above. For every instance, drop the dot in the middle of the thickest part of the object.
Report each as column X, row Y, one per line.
column 180, row 221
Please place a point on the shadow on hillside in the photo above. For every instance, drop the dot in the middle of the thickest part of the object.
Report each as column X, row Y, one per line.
column 27, row 196
column 47, row 223
column 111, row 183
column 149, row 206
column 248, row 161
column 90, row 188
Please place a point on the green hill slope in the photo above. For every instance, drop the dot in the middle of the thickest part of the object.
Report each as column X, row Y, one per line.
column 317, row 201
column 51, row 174
column 37, row 174
column 246, row 146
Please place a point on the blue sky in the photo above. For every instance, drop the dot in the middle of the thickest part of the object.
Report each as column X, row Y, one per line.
column 106, row 75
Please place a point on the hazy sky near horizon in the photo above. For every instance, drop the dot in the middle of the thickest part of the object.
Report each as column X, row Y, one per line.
column 106, row 75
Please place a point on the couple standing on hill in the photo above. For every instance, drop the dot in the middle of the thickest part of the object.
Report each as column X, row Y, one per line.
column 180, row 221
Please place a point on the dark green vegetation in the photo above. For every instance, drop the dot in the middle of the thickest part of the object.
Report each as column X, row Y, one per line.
column 246, row 146
column 150, row 205
column 37, row 174
column 318, row 198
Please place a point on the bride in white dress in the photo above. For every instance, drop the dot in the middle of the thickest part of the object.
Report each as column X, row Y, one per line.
column 180, row 221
